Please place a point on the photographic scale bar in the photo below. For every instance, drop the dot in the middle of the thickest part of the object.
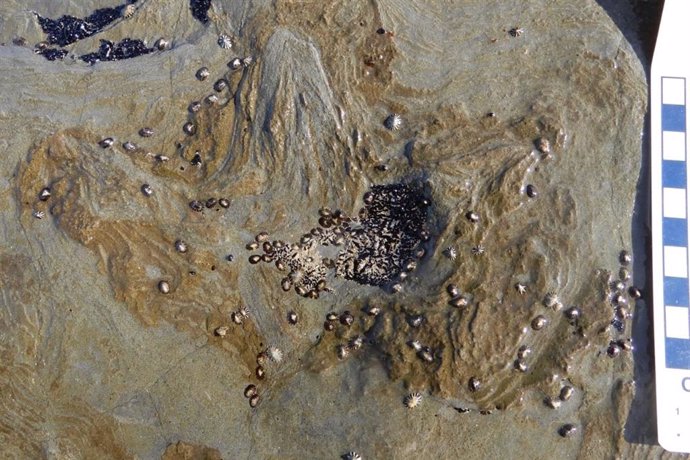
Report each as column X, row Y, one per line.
column 669, row 183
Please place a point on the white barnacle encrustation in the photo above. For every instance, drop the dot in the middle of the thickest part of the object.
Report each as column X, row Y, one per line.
column 220, row 85
column 566, row 393
column 275, row 354
column 413, row 400
column 373, row 310
column 180, row 246
column 236, row 317
column 551, row 300
column 343, row 352
column 235, row 64
column 189, row 128
column 516, row 31
column 523, row 352
column 105, row 143
column 296, row 276
column 224, row 41
column 161, row 44
column 286, row 284
column 128, row 11
column 352, row 456
column 618, row 285
column 202, row 74
column 619, row 300
column 250, row 390
column 164, row 287
column 415, row 345
column 393, row 122
column 415, row 320
column 573, row 313
column 634, row 292
column 40, row 46
column 553, row 403
column 221, row 331
column 520, row 365
column 356, row 343
column 194, row 106
column 426, row 354
column 450, row 252
column 292, row 317
column 459, row 301
column 543, row 145
column 567, row 430
column 44, row 194
column 129, row 146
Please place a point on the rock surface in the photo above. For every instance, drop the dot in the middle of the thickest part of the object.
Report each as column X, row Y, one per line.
column 530, row 117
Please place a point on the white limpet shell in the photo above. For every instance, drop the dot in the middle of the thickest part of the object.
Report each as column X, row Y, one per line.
column 413, row 400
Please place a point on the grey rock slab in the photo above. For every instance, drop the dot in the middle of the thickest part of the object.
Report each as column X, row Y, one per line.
column 87, row 377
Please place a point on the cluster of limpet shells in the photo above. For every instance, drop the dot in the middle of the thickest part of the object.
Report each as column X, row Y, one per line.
column 622, row 293
column 353, row 342
column 307, row 269
column 189, row 128
column 378, row 247
column 271, row 354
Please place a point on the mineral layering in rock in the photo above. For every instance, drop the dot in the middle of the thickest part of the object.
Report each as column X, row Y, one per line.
column 310, row 230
